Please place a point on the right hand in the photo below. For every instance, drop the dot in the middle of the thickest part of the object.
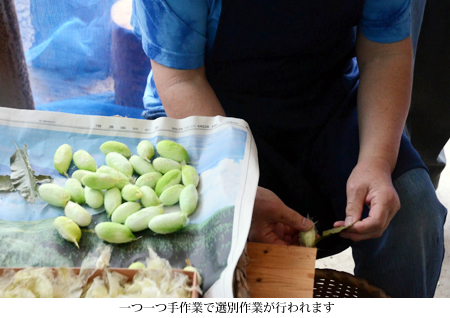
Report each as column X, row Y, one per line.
column 275, row 223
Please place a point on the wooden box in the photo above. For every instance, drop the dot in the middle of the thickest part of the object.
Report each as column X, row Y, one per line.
column 124, row 271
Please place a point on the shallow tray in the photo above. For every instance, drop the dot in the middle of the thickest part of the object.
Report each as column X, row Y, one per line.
column 124, row 271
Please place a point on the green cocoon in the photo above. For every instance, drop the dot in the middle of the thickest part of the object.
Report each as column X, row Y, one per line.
column 145, row 149
column 75, row 189
column 99, row 181
column 54, row 194
column 168, row 223
column 117, row 161
column 83, row 160
column 140, row 165
column 172, row 150
column 149, row 179
column 171, row 195
column 115, row 146
column 123, row 211
column 77, row 213
column 62, row 159
column 139, row 221
column 68, row 229
column 114, row 233
column 171, row 178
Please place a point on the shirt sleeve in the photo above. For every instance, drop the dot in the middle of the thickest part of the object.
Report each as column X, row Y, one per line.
column 173, row 32
column 386, row 21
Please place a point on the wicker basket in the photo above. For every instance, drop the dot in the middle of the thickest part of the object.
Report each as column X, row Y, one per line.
column 330, row 283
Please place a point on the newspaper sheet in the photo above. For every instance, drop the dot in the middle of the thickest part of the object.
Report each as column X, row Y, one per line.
column 221, row 149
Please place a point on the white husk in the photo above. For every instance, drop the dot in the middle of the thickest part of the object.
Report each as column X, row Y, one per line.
column 98, row 289
column 158, row 280
column 40, row 283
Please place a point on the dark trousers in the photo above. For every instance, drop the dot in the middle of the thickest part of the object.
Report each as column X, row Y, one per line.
column 428, row 124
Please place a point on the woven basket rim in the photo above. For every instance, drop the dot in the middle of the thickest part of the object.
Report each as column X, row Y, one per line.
column 333, row 283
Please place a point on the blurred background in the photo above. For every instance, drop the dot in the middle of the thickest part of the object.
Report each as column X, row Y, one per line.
column 82, row 56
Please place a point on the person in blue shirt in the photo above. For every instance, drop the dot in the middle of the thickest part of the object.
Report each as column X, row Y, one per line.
column 325, row 87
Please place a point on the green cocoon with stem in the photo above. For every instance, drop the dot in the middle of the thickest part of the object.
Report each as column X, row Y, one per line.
column 83, row 160
column 140, row 165
column 62, row 159
column 168, row 223
column 115, row 146
column 99, row 181
column 114, row 233
column 68, row 229
column 117, row 161
column 54, row 194
column 172, row 150
column 75, row 189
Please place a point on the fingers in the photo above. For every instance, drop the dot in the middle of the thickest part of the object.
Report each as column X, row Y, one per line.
column 293, row 219
column 270, row 209
column 384, row 204
column 274, row 222
column 356, row 197
column 271, row 234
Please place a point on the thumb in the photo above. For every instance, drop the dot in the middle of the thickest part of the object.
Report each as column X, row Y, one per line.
column 293, row 219
column 355, row 204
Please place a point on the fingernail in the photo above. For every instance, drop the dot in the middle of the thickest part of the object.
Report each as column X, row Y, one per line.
column 307, row 223
column 348, row 220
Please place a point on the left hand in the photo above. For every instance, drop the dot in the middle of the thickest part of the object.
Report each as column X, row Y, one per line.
column 273, row 222
column 369, row 183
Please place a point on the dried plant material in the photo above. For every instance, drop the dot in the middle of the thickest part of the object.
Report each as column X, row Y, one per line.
column 6, row 184
column 22, row 176
column 160, row 281
column 43, row 179
column 67, row 284
column 43, row 282
column 98, row 289
column 116, row 283
column 240, row 285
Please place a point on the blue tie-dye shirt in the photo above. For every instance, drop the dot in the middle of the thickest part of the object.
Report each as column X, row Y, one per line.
column 180, row 33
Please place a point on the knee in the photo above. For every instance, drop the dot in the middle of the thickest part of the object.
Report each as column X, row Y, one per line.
column 421, row 211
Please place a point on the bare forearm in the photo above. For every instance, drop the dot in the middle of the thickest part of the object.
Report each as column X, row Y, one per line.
column 383, row 97
column 185, row 93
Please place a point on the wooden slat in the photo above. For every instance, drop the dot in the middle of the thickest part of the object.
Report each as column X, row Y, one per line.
column 275, row 271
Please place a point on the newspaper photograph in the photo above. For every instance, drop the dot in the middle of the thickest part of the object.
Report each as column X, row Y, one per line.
column 221, row 150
